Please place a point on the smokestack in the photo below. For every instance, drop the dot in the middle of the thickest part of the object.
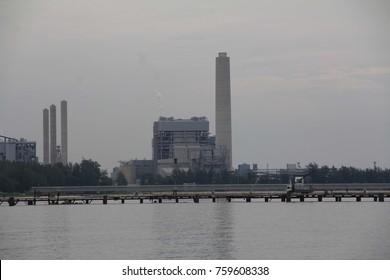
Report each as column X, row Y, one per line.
column 46, row 136
column 223, row 119
column 64, row 132
column 53, row 134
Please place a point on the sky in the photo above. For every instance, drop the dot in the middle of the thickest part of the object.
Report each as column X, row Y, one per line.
column 310, row 80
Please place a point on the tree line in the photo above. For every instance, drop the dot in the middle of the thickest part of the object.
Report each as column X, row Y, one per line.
column 319, row 175
column 20, row 176
column 344, row 174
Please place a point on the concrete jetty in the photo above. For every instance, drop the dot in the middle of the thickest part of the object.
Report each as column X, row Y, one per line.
column 202, row 196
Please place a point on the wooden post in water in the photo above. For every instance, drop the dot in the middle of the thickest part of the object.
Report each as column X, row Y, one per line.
column 319, row 198
column 375, row 198
column 177, row 200
column 381, row 197
column 358, row 198
column 141, row 200
column 288, row 199
column 283, row 198
column 123, row 201
column 105, row 199
column 11, row 201
column 301, row 198
column 248, row 199
column 266, row 199
column 159, row 200
column 196, row 199
column 214, row 199
column 229, row 199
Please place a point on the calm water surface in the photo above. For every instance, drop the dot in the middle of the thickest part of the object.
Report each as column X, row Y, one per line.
column 309, row 230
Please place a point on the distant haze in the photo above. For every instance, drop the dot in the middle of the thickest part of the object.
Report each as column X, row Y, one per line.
column 310, row 79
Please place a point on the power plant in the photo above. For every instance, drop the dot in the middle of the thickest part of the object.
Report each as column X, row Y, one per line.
column 185, row 144
column 52, row 153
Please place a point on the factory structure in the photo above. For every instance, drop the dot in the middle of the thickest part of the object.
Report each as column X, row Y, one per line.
column 12, row 149
column 186, row 144
column 52, row 153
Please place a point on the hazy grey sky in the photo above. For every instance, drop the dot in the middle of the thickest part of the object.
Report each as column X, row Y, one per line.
column 310, row 79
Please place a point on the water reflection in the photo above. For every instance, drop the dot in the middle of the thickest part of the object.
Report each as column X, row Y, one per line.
column 223, row 236
column 193, row 231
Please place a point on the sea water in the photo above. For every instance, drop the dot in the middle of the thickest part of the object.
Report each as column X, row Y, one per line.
column 205, row 230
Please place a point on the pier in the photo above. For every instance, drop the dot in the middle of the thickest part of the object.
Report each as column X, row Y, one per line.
column 196, row 196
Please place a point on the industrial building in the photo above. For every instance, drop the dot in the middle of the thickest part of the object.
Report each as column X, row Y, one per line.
column 21, row 150
column 51, row 152
column 133, row 170
column 184, row 144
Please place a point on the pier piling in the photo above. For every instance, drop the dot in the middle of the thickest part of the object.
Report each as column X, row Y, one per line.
column 381, row 197
column 105, row 199
column 11, row 201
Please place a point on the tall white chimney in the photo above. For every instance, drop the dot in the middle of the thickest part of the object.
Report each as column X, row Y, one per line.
column 53, row 134
column 64, row 132
column 46, row 158
column 223, row 118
